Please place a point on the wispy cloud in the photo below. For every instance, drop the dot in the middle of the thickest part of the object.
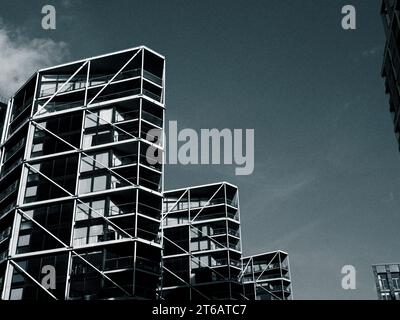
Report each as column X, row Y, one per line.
column 279, row 187
column 70, row 3
column 301, row 232
column 20, row 57
column 370, row 52
column 388, row 198
column 67, row 3
column 292, row 186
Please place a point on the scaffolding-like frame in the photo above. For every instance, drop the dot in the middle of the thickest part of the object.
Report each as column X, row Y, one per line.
column 191, row 225
column 34, row 124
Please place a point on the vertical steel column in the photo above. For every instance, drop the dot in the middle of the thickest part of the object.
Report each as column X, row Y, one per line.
column 20, row 197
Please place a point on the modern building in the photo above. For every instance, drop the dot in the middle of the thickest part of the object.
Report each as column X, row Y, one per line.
column 387, row 280
column 79, row 197
column 266, row 276
column 83, row 212
column 391, row 64
column 3, row 110
column 202, row 243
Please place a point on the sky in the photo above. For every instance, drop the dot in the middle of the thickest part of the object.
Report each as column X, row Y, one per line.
column 326, row 182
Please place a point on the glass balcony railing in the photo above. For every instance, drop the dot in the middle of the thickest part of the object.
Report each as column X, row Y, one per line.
column 121, row 209
column 225, row 262
column 224, row 231
column 7, row 170
column 103, row 79
column 119, row 263
column 9, row 190
column 155, row 163
column 153, row 185
column 77, row 84
column 147, row 265
column 214, row 201
column 268, row 266
column 149, row 210
column 152, row 77
column 19, row 110
column 5, row 234
column 210, row 216
column 126, row 116
column 7, row 209
column 132, row 73
column 14, row 149
column 152, row 95
column 129, row 159
column 152, row 118
column 148, row 235
column 48, row 90
column 54, row 106
column 3, row 255
column 116, row 95
column 105, row 138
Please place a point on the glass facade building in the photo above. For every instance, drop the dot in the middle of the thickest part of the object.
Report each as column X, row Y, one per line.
column 202, row 243
column 387, row 280
column 83, row 212
column 78, row 193
column 390, row 13
column 266, row 276
column 3, row 110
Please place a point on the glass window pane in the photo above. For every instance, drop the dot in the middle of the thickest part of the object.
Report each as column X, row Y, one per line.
column 84, row 185
column 91, row 120
column 100, row 183
column 99, row 207
column 80, row 232
column 394, row 268
column 204, row 245
column 31, row 191
column 204, row 261
column 82, row 213
column 24, row 240
column 86, row 164
column 102, row 159
column 96, row 230
column 105, row 116
column 16, row 294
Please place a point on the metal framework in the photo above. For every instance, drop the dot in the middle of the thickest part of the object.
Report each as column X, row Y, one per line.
column 266, row 276
column 79, row 193
column 387, row 280
column 390, row 13
column 202, row 247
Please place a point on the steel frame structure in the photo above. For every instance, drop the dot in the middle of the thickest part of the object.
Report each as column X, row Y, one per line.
column 266, row 276
column 390, row 13
column 72, row 153
column 122, row 96
column 202, row 243
column 387, row 280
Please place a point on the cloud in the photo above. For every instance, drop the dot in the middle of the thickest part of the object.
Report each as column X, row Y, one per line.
column 20, row 57
column 370, row 52
column 303, row 231
column 388, row 198
column 284, row 186
column 67, row 3
column 293, row 186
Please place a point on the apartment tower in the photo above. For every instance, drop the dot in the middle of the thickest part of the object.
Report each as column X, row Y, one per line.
column 81, row 203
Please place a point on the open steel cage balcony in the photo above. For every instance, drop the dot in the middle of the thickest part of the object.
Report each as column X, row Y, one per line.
column 78, row 191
